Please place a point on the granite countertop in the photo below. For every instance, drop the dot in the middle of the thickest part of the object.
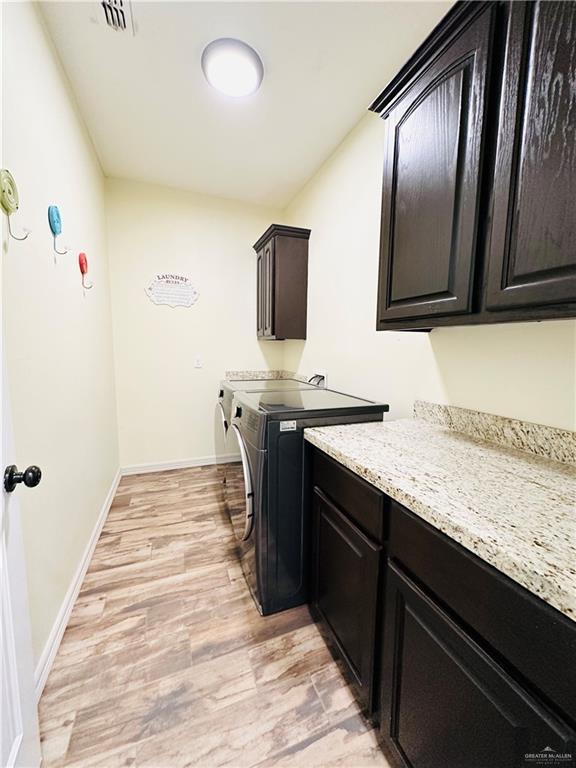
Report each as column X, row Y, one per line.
column 515, row 510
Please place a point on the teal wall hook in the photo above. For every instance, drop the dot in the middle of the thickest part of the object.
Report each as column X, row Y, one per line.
column 55, row 222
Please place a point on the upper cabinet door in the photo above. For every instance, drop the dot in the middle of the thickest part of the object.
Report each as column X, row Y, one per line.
column 532, row 249
column 269, row 288
column 431, row 181
column 260, row 293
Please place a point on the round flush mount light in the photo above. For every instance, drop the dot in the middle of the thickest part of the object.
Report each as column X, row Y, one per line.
column 232, row 67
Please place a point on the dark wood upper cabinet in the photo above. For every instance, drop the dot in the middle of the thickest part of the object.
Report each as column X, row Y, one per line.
column 532, row 248
column 431, row 181
column 478, row 214
column 282, row 282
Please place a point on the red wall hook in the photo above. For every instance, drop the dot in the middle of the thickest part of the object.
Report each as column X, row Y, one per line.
column 83, row 264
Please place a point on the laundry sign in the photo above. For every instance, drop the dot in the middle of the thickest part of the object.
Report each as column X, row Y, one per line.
column 173, row 290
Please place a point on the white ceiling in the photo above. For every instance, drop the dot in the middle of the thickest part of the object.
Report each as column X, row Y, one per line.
column 153, row 117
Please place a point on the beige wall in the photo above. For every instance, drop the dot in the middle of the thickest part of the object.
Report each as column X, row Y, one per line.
column 58, row 342
column 524, row 371
column 165, row 404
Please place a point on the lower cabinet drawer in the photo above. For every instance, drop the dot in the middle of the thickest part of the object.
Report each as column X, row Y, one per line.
column 445, row 703
column 345, row 593
column 536, row 640
column 364, row 504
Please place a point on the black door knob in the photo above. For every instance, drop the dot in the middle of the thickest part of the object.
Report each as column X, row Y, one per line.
column 30, row 477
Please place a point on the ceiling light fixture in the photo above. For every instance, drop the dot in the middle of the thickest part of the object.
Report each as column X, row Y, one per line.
column 232, row 67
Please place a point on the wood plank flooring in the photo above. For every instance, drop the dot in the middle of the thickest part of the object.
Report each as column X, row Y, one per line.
column 166, row 662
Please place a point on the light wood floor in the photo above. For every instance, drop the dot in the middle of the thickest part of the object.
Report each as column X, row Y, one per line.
column 166, row 662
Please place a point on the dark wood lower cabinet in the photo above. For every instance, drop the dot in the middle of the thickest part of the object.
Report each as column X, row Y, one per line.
column 445, row 702
column 462, row 666
column 346, row 575
column 492, row 606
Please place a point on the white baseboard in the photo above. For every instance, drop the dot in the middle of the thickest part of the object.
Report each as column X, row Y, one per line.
column 163, row 466
column 53, row 643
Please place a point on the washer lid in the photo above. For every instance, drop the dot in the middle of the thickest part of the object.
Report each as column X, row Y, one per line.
column 265, row 385
column 302, row 400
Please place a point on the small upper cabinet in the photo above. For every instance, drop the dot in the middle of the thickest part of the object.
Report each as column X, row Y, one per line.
column 431, row 180
column 282, row 282
column 532, row 246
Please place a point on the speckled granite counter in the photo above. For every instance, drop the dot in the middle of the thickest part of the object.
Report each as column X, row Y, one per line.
column 515, row 510
column 266, row 375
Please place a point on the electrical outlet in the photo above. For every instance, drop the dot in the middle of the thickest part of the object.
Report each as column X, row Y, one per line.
column 198, row 362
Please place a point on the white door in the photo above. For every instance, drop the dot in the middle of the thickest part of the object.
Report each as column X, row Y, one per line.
column 20, row 742
column 19, row 736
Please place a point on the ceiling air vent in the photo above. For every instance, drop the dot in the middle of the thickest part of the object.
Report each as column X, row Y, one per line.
column 118, row 15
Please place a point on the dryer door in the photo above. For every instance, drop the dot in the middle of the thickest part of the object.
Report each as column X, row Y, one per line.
column 239, row 491
column 220, row 429
column 221, row 417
